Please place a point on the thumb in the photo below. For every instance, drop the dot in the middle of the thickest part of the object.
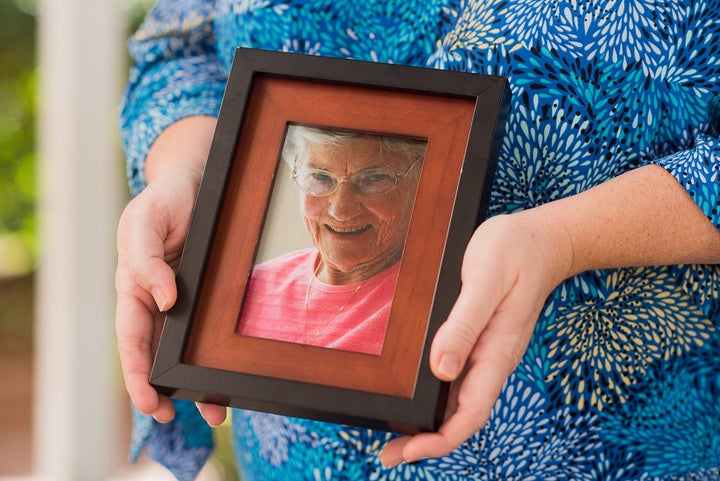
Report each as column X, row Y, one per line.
column 142, row 251
column 484, row 286
column 456, row 338
column 158, row 278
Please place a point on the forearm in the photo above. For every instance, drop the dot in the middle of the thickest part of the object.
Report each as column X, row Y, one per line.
column 184, row 144
column 643, row 217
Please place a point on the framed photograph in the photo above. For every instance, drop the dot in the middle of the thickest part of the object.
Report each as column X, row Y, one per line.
column 327, row 239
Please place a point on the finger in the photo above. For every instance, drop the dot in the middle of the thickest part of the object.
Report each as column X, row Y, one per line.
column 486, row 281
column 156, row 277
column 142, row 250
column 136, row 339
column 452, row 346
column 138, row 324
column 150, row 232
column 392, row 453
column 477, row 302
column 136, row 346
column 469, row 406
column 463, row 423
column 213, row 414
column 494, row 358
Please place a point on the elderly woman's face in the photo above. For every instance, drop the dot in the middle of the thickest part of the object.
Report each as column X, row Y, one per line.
column 359, row 234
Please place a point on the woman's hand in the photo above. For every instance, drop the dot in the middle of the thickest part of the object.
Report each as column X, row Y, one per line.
column 513, row 262
column 510, row 267
column 151, row 235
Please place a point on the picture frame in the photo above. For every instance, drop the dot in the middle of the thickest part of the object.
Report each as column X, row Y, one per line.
column 201, row 357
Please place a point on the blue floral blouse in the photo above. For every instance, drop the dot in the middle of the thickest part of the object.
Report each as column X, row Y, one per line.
column 621, row 380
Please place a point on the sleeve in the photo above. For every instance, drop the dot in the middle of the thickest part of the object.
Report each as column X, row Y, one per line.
column 176, row 74
column 698, row 170
column 183, row 446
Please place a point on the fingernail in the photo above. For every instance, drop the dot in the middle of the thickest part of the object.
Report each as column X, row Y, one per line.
column 449, row 365
column 159, row 296
column 394, row 464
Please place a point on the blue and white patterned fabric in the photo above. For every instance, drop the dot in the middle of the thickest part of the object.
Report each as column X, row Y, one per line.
column 621, row 380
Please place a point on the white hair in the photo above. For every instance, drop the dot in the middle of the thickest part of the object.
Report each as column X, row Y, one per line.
column 299, row 137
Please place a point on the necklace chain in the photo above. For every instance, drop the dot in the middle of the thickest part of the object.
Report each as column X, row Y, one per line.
column 316, row 333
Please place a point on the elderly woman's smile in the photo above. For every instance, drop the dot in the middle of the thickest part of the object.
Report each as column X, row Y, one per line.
column 348, row 230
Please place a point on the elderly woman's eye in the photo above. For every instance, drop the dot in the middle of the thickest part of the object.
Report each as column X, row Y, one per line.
column 376, row 178
column 321, row 177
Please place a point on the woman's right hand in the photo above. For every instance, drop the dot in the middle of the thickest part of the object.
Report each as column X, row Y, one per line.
column 150, row 238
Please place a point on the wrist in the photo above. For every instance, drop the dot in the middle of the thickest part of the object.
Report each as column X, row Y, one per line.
column 534, row 242
column 552, row 241
column 184, row 144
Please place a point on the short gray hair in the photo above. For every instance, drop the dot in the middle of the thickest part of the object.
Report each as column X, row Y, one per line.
column 299, row 137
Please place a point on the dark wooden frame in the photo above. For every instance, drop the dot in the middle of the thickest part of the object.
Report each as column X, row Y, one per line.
column 201, row 358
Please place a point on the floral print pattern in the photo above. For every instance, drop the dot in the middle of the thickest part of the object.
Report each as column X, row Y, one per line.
column 621, row 380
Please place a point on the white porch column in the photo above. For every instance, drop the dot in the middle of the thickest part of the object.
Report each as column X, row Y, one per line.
column 81, row 59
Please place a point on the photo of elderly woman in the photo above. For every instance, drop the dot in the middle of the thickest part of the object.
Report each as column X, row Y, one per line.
column 357, row 192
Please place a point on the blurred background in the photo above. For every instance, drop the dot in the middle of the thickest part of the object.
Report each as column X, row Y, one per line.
column 64, row 414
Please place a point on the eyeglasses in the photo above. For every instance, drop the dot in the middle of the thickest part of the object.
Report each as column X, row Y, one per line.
column 373, row 181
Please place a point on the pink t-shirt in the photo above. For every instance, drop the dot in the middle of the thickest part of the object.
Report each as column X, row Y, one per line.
column 286, row 302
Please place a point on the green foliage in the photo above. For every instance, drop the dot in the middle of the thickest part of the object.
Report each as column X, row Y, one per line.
column 17, row 137
column 135, row 11
column 17, row 179
column 223, row 457
column 17, row 129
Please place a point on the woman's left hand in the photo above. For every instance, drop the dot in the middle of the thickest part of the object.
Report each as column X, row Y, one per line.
column 511, row 265
column 513, row 262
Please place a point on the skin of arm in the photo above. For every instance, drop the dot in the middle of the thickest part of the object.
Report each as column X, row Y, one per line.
column 184, row 144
